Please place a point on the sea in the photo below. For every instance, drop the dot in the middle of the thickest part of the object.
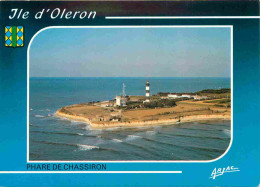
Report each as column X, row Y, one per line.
column 53, row 138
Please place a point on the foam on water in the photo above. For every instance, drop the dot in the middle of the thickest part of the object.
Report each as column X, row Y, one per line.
column 76, row 123
column 143, row 127
column 94, row 132
column 116, row 140
column 132, row 137
column 86, row 127
column 227, row 132
column 112, row 128
column 86, row 147
column 69, row 120
column 39, row 116
column 150, row 133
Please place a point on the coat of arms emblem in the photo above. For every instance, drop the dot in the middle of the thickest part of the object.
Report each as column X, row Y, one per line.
column 14, row 36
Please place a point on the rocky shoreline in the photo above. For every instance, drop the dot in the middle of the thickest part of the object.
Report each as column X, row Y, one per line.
column 190, row 118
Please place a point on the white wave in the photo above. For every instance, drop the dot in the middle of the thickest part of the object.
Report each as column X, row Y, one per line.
column 39, row 116
column 142, row 127
column 157, row 128
column 72, row 122
column 112, row 128
column 227, row 132
column 94, row 132
column 150, row 133
column 76, row 122
column 86, row 147
column 132, row 137
column 117, row 140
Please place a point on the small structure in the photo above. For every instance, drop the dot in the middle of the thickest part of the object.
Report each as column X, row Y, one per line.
column 164, row 97
column 101, row 118
column 147, row 94
column 121, row 100
column 116, row 116
column 118, row 100
column 107, row 118
column 185, row 96
column 196, row 97
column 106, row 103
column 173, row 96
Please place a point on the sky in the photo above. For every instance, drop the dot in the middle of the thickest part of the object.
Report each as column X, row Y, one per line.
column 131, row 52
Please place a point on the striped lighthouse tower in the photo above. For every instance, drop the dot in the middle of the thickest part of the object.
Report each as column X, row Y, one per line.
column 147, row 94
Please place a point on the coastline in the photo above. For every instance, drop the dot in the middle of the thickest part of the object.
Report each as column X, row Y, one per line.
column 190, row 118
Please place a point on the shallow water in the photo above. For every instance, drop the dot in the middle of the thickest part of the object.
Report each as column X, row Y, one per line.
column 53, row 138
column 66, row 140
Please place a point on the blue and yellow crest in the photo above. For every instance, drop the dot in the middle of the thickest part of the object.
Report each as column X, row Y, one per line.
column 14, row 36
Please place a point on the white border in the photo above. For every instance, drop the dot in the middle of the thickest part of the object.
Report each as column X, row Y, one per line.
column 132, row 161
column 182, row 17
column 101, row 172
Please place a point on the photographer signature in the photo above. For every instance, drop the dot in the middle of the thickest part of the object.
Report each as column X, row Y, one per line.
column 220, row 171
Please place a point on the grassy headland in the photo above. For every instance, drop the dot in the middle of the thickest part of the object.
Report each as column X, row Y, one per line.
column 214, row 104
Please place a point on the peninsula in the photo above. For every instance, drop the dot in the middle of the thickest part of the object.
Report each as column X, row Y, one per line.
column 159, row 109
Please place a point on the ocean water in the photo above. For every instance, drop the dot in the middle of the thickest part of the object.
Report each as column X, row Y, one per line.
column 52, row 138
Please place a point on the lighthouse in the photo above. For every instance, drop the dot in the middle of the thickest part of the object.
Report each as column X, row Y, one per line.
column 147, row 94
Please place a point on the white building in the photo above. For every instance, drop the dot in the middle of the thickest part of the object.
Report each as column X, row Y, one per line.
column 172, row 96
column 175, row 96
column 118, row 100
column 185, row 96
